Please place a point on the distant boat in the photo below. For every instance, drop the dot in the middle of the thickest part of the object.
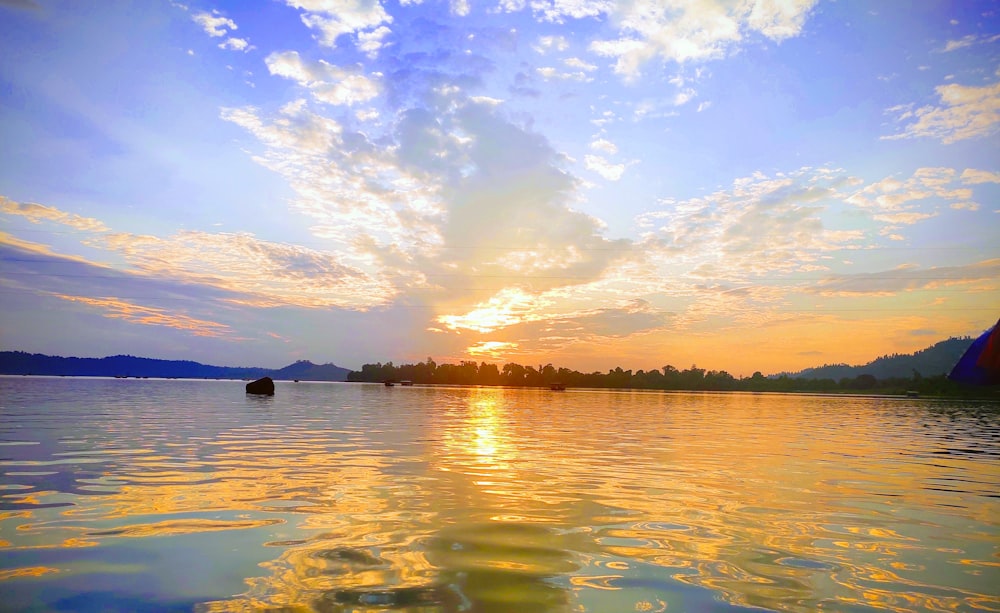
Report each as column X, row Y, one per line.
column 557, row 387
column 389, row 384
column 406, row 383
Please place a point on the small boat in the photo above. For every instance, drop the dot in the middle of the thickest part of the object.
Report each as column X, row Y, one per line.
column 406, row 383
column 389, row 384
column 557, row 387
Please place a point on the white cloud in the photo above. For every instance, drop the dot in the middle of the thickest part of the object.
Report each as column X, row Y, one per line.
column 684, row 96
column 611, row 172
column 549, row 43
column 236, row 44
column 963, row 112
column 214, row 24
column 578, row 64
column 550, row 73
column 965, row 41
column 557, row 11
column 326, row 82
column 968, row 41
column 371, row 42
column 683, row 31
column 359, row 195
column 779, row 19
column 899, row 202
column 486, row 100
column 762, row 225
column 335, row 18
column 604, row 146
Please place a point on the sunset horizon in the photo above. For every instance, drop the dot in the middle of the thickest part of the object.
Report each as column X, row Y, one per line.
column 752, row 186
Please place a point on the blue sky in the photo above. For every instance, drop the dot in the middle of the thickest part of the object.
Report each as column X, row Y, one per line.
column 742, row 185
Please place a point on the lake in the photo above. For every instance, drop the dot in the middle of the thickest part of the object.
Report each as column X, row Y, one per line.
column 153, row 495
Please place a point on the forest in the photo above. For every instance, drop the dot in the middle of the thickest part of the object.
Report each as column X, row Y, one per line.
column 666, row 378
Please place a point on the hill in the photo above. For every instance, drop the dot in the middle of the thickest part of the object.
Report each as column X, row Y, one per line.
column 22, row 363
column 938, row 359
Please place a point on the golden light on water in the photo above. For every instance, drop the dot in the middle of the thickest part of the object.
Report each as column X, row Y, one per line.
column 567, row 499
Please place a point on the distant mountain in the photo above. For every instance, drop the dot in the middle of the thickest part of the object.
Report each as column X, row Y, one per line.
column 21, row 363
column 938, row 359
column 305, row 370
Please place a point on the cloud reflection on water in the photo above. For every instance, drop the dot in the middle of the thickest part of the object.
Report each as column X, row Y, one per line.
column 361, row 497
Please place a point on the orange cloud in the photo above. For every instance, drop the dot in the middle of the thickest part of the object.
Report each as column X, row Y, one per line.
column 134, row 313
column 37, row 213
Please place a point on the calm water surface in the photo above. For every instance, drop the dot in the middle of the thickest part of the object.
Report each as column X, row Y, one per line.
column 132, row 495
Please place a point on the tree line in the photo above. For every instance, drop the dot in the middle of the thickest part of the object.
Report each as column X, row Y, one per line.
column 666, row 378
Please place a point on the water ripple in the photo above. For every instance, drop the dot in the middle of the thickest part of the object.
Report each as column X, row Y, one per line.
column 365, row 498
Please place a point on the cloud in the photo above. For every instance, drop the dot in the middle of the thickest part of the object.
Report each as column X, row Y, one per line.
column 236, row 44
column 335, row 18
column 965, row 206
column 611, row 172
column 550, row 73
column 527, row 317
column 578, row 64
column 361, row 196
column 557, row 11
column 905, row 202
column 37, row 213
column 971, row 176
column 559, row 330
column 968, row 41
column 243, row 268
column 910, row 278
column 214, row 24
column 684, row 96
column 411, row 202
column 680, row 31
column 31, row 270
column 579, row 71
column 551, row 43
column 265, row 273
column 491, row 349
column 604, row 146
column 962, row 112
column 507, row 307
column 761, row 225
column 151, row 316
column 371, row 42
column 326, row 82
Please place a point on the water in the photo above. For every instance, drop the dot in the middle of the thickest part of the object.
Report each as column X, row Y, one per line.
column 146, row 495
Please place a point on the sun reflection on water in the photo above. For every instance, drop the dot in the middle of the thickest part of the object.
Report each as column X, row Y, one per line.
column 491, row 499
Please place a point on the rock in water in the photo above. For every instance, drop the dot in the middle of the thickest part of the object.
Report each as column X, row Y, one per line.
column 264, row 387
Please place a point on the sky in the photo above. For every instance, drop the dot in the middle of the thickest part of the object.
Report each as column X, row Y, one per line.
column 740, row 185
